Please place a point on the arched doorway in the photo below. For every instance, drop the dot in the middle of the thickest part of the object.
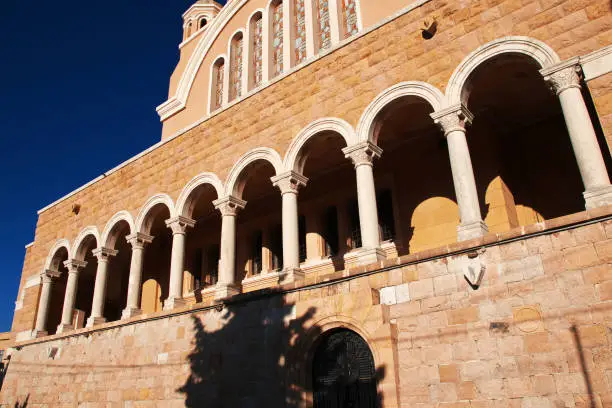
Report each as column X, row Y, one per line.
column 344, row 375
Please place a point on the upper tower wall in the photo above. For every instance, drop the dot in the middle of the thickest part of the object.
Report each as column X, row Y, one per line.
column 297, row 22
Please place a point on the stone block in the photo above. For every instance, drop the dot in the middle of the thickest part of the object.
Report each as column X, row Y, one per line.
column 402, row 293
column 387, row 296
column 449, row 373
column 463, row 315
column 421, row 289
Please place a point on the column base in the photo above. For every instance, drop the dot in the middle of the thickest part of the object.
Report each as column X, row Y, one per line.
column 63, row 328
column 39, row 333
column 130, row 312
column 173, row 303
column 598, row 197
column 365, row 256
column 472, row 230
column 291, row 275
column 94, row 321
column 225, row 291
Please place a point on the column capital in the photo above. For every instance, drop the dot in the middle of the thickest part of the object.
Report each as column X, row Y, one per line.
column 456, row 117
column 74, row 265
column 363, row 153
column 289, row 182
column 48, row 275
column 138, row 240
column 563, row 76
column 179, row 224
column 229, row 206
column 104, row 254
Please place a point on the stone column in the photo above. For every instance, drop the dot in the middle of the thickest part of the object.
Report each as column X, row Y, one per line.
column 565, row 82
column 44, row 302
column 229, row 207
column 362, row 156
column 74, row 266
column 138, row 241
column 179, row 226
column 289, row 183
column 453, row 122
column 99, row 297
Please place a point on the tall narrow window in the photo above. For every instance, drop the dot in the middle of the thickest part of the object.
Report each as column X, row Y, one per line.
column 300, row 30
column 236, row 67
column 276, row 247
column 257, row 260
column 257, row 49
column 277, row 38
column 330, row 231
column 323, row 24
column 218, row 78
column 354, row 224
column 302, row 237
column 349, row 18
column 386, row 220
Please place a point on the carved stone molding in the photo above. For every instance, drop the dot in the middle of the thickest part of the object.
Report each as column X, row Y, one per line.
column 289, row 182
column 104, row 254
column 564, row 76
column 74, row 265
column 48, row 275
column 453, row 118
column 362, row 154
column 229, row 206
column 139, row 240
column 180, row 224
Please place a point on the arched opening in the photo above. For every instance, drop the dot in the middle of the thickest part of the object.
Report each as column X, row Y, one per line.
column 276, row 37
column 328, row 203
column 343, row 372
column 203, row 23
column 202, row 251
column 217, row 82
column 58, row 290
column 86, row 282
column 118, row 272
column 156, row 270
column 256, row 57
column 259, row 229
column 416, row 198
column 523, row 161
column 236, row 50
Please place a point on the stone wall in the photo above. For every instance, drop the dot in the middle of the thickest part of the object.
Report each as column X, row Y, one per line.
column 534, row 334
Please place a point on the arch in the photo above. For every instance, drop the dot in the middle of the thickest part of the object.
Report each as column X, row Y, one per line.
column 217, row 73
column 184, row 204
column 107, row 239
column 537, row 50
column 423, row 90
column 142, row 222
column 59, row 244
column 232, row 185
column 293, row 161
column 202, row 22
column 80, row 241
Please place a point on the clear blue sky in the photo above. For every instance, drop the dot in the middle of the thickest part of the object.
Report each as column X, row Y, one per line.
column 80, row 83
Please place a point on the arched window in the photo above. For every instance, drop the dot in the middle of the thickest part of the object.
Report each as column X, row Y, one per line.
column 349, row 18
column 257, row 49
column 202, row 22
column 236, row 66
column 300, row 31
column 343, row 372
column 323, row 26
column 277, row 38
column 217, row 84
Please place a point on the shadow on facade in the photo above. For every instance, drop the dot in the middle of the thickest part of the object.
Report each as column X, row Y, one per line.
column 23, row 404
column 256, row 352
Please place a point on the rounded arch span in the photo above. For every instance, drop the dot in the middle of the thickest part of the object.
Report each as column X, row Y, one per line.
column 143, row 223
column 234, row 186
column 62, row 243
column 423, row 90
column 184, row 204
column 107, row 239
column 293, row 160
column 78, row 247
column 536, row 49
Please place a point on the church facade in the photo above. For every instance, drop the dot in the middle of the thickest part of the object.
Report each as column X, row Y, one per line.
column 354, row 203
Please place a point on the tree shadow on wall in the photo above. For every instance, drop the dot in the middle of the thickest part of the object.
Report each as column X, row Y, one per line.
column 255, row 352
column 23, row 404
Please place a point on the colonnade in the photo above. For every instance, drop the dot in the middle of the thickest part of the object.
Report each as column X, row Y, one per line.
column 453, row 121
